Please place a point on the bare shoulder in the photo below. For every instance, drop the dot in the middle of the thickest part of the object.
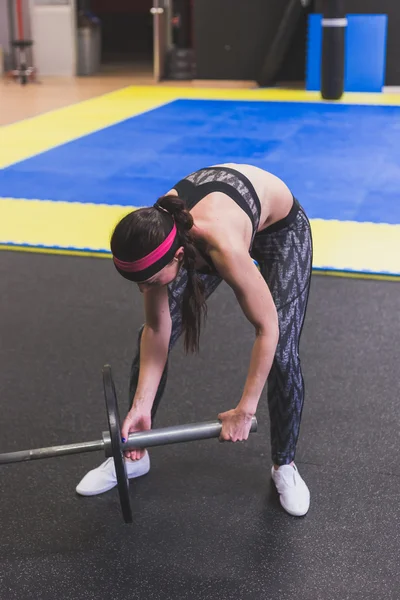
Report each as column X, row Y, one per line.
column 220, row 238
column 220, row 221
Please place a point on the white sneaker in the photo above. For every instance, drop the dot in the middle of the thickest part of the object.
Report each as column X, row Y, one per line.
column 294, row 494
column 103, row 478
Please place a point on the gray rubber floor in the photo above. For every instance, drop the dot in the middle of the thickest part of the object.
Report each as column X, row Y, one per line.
column 207, row 521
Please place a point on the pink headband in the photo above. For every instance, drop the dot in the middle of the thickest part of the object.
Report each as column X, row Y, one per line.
column 150, row 259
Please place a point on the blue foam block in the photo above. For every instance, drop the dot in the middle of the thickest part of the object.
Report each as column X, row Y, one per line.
column 314, row 53
column 365, row 64
column 365, row 53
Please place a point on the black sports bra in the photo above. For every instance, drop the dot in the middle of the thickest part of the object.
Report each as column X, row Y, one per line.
column 234, row 184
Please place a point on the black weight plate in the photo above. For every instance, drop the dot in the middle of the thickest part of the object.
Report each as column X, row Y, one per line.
column 115, row 435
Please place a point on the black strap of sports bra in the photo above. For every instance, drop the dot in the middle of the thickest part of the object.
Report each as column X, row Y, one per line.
column 192, row 194
column 185, row 189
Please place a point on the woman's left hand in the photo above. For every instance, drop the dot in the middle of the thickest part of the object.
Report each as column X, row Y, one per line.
column 236, row 425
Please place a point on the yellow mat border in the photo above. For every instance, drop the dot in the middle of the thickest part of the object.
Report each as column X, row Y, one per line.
column 85, row 229
column 91, row 254
column 30, row 137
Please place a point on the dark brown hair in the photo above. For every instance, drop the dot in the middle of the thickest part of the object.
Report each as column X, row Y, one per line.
column 143, row 230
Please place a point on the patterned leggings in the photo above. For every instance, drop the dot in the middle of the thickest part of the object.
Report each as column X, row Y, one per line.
column 285, row 259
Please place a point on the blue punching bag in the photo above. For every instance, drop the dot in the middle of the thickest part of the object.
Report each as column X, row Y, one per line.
column 334, row 25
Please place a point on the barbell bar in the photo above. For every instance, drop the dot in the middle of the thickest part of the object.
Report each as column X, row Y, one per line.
column 146, row 439
column 113, row 446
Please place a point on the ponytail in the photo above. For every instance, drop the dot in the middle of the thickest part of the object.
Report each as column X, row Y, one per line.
column 194, row 308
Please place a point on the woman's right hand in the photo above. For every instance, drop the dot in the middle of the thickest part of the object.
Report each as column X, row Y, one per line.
column 135, row 421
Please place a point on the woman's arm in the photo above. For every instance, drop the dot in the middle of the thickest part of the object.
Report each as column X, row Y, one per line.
column 153, row 357
column 154, row 346
column 236, row 266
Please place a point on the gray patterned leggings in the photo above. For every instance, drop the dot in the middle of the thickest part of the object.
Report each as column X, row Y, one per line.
column 285, row 258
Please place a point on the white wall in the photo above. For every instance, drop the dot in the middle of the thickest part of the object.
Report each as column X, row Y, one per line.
column 54, row 35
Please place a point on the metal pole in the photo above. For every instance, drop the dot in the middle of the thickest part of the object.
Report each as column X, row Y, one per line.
column 176, row 435
column 50, row 452
column 11, row 32
column 144, row 439
column 158, row 40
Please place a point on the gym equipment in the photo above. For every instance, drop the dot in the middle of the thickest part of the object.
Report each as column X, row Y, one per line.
column 334, row 26
column 181, row 64
column 22, row 72
column 113, row 446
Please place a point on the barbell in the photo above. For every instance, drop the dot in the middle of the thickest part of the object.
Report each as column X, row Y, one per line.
column 113, row 446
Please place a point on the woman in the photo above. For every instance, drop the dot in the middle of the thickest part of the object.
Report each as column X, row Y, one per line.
column 209, row 227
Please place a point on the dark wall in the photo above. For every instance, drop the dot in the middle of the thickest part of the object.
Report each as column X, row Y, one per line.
column 232, row 37
column 294, row 64
column 126, row 26
column 390, row 8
